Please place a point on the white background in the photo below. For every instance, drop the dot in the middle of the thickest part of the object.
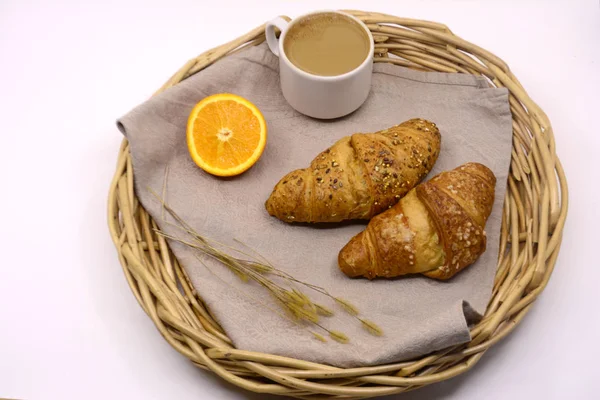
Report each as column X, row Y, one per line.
column 69, row 325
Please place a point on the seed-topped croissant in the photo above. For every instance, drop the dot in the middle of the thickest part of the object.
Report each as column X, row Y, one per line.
column 437, row 229
column 359, row 176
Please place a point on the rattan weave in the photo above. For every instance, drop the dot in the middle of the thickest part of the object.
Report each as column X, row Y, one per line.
column 535, row 209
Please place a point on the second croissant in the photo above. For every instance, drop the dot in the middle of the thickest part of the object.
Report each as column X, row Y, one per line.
column 437, row 229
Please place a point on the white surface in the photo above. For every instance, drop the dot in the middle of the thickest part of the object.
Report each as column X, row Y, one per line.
column 69, row 326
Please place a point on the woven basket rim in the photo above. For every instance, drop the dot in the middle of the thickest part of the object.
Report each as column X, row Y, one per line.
column 535, row 210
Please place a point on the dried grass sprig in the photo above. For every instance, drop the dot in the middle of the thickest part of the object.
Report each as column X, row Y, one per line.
column 347, row 306
column 338, row 337
column 298, row 306
column 373, row 328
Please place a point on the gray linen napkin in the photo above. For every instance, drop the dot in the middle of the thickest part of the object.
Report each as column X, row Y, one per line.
column 418, row 315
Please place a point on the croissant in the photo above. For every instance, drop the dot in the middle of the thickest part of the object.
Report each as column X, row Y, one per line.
column 359, row 176
column 437, row 229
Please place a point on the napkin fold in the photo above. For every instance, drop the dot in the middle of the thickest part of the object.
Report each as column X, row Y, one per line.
column 418, row 315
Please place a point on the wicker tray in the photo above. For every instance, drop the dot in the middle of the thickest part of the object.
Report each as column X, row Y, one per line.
column 535, row 210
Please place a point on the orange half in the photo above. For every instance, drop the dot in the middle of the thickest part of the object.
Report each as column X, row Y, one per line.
column 226, row 134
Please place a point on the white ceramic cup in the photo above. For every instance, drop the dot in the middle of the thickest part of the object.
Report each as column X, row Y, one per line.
column 319, row 96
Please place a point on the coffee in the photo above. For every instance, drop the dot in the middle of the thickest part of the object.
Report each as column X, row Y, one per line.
column 326, row 44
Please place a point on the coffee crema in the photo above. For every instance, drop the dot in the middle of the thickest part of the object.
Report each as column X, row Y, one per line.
column 326, row 44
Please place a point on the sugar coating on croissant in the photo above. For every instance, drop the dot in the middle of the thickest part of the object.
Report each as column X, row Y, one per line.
column 437, row 229
column 359, row 176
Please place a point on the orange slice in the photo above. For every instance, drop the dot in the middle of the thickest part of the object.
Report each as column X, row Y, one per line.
column 226, row 134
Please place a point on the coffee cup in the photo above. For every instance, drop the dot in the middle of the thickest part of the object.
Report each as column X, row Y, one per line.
column 325, row 62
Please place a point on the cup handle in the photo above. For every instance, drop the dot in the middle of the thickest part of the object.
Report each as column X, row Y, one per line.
column 272, row 40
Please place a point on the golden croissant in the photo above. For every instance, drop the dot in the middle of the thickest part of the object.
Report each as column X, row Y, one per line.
column 437, row 229
column 359, row 176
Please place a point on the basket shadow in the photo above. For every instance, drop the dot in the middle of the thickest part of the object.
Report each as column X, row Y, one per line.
column 228, row 390
column 450, row 389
